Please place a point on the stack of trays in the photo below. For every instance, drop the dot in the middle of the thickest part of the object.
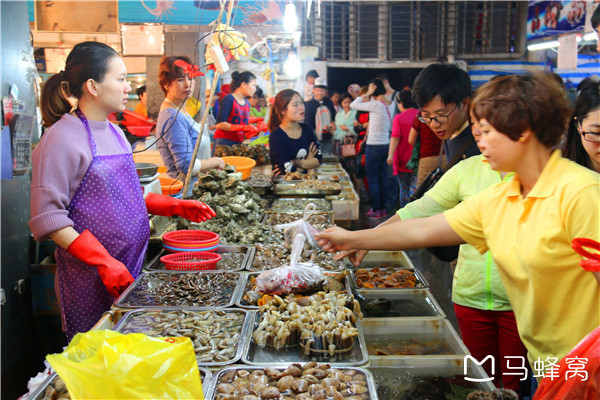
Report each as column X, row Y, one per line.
column 190, row 241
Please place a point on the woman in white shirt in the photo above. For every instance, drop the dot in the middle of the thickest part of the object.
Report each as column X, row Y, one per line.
column 377, row 140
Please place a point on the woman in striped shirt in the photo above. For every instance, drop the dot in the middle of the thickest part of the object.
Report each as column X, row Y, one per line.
column 378, row 141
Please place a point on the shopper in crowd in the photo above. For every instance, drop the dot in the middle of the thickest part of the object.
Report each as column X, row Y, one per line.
column 361, row 122
column 358, row 173
column 293, row 144
column 234, row 110
column 527, row 223
column 310, row 84
column 344, row 120
column 390, row 93
column 392, row 193
column 400, row 150
column 140, row 108
column 582, row 144
column 320, row 115
column 85, row 192
column 176, row 129
column 485, row 318
column 426, row 149
column 258, row 104
column 335, row 99
column 377, row 140
column 353, row 90
column 443, row 94
column 595, row 20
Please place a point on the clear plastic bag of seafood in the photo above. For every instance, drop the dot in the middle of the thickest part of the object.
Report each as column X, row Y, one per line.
column 294, row 278
column 300, row 226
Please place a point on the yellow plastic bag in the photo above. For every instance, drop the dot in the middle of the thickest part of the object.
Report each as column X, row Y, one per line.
column 109, row 365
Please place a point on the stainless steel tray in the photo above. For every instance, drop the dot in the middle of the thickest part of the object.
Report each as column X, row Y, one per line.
column 261, row 190
column 319, row 177
column 156, row 265
column 285, row 189
column 421, row 282
column 245, row 287
column 339, row 265
column 131, row 298
column 269, row 215
column 124, row 326
column 416, row 304
column 375, row 258
column 205, row 377
column 392, row 380
column 298, row 205
column 372, row 393
column 444, row 340
column 254, row 355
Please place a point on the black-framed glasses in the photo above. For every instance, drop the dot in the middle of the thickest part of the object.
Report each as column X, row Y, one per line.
column 440, row 119
column 589, row 136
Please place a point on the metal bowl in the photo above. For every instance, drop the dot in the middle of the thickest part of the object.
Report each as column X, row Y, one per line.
column 146, row 170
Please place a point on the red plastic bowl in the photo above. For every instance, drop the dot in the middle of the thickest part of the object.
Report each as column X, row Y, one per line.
column 191, row 261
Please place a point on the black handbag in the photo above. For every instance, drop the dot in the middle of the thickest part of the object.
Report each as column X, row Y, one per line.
column 444, row 253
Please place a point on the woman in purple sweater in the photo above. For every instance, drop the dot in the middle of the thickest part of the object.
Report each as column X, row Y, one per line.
column 85, row 193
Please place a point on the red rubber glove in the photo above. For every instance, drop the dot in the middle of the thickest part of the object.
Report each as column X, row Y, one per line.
column 250, row 133
column 253, row 120
column 262, row 127
column 168, row 206
column 243, row 128
column 114, row 274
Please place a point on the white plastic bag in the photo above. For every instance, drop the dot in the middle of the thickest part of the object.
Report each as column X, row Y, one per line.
column 290, row 230
column 294, row 278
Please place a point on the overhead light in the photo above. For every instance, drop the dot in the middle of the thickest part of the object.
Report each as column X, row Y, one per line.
column 290, row 20
column 543, row 45
column 291, row 66
column 590, row 36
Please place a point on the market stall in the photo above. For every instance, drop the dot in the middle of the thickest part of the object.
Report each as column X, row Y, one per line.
column 362, row 333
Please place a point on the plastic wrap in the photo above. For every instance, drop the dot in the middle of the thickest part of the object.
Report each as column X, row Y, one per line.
column 302, row 226
column 294, row 278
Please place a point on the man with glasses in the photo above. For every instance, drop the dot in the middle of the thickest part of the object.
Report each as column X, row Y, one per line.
column 443, row 94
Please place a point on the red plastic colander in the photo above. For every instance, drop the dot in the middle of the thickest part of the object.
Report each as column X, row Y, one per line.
column 191, row 261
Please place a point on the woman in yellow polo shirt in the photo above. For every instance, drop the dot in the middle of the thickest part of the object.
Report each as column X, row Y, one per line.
column 527, row 223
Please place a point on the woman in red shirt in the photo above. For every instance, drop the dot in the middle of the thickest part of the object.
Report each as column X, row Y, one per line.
column 234, row 110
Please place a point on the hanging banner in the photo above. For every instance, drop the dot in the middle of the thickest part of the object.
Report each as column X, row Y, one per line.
column 201, row 12
column 550, row 18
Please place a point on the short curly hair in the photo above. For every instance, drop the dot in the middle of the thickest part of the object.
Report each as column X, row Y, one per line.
column 515, row 103
column 169, row 72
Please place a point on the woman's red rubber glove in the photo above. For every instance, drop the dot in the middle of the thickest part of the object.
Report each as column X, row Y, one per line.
column 114, row 274
column 238, row 127
column 195, row 211
column 250, row 133
column 253, row 120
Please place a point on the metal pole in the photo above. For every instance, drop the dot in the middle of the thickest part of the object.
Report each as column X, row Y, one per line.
column 188, row 177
